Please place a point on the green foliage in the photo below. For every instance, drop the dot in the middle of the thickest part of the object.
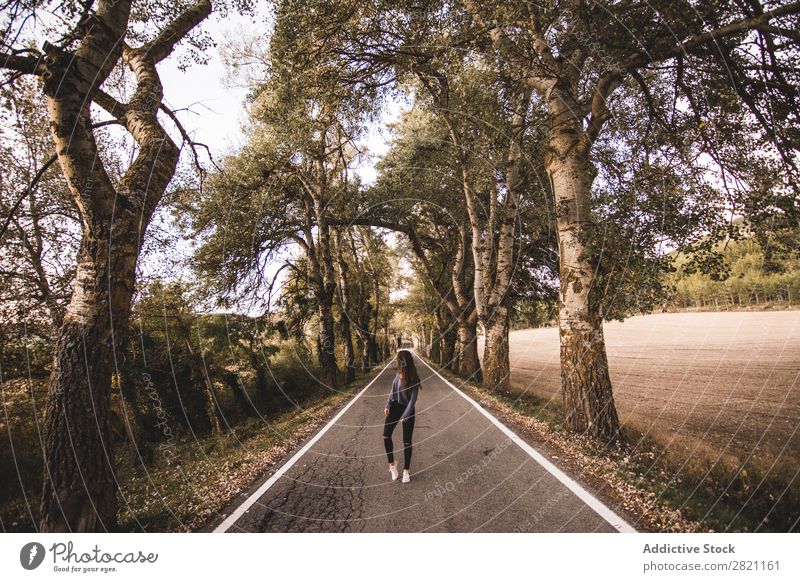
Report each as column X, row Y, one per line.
column 747, row 281
column 175, row 351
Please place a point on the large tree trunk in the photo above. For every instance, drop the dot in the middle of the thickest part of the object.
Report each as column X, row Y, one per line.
column 373, row 350
column 435, row 343
column 371, row 326
column 588, row 397
column 327, row 337
column 586, row 385
column 80, row 491
column 445, row 340
column 370, row 346
column 375, row 325
column 321, row 279
column 216, row 419
column 467, row 351
column 496, row 365
column 449, row 351
column 129, row 391
column 349, row 350
column 361, row 350
column 492, row 253
column 361, row 310
column 326, row 344
column 262, row 385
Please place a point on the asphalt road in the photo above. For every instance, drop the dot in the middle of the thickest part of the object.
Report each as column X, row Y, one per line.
column 467, row 474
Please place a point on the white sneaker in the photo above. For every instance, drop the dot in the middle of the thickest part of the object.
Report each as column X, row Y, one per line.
column 406, row 476
column 393, row 471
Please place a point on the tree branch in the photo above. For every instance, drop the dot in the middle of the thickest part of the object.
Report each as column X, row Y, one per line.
column 510, row 51
column 26, row 192
column 698, row 40
column 164, row 43
column 600, row 113
column 109, row 103
column 187, row 139
column 26, row 65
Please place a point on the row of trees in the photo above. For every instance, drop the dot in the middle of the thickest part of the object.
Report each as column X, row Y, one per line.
column 273, row 218
column 188, row 372
column 749, row 275
column 553, row 147
column 630, row 135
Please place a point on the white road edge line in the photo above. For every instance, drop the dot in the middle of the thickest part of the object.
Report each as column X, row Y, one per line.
column 248, row 503
column 598, row 506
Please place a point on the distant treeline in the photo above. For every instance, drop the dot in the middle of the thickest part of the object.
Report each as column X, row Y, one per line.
column 749, row 277
column 734, row 274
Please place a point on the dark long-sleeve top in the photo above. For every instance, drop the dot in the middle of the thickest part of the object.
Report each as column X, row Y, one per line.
column 403, row 397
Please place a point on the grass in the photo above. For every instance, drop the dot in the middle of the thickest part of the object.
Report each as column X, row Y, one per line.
column 678, row 477
column 723, row 491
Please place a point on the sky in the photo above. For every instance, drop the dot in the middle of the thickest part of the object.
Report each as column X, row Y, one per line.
column 219, row 110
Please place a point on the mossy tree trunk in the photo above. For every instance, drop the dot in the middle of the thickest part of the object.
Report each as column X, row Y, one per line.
column 79, row 491
column 586, row 384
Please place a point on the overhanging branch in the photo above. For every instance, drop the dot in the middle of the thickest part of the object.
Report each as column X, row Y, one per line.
column 164, row 44
column 701, row 39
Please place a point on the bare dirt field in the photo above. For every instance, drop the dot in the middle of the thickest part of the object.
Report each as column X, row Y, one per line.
column 725, row 382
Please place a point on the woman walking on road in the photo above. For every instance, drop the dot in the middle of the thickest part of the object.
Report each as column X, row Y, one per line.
column 400, row 407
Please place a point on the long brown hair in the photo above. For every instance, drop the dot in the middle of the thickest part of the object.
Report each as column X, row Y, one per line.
column 407, row 370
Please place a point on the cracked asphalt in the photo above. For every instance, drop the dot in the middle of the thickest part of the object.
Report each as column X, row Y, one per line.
column 466, row 476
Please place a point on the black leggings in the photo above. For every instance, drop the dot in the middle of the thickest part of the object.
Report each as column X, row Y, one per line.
column 395, row 412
